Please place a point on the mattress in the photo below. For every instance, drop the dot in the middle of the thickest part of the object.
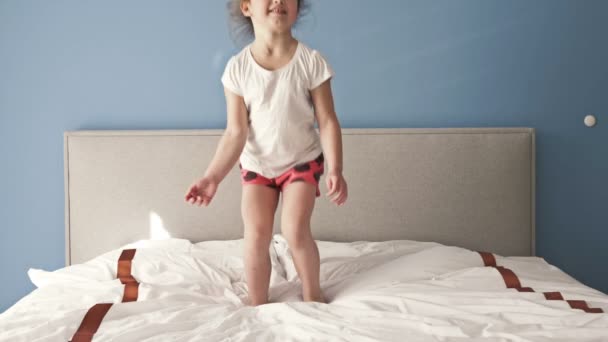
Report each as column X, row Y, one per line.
column 175, row 290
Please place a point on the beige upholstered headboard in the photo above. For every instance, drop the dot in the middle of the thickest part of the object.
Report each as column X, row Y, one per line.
column 469, row 187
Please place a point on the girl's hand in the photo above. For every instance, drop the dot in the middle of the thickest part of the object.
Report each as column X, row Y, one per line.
column 338, row 190
column 202, row 192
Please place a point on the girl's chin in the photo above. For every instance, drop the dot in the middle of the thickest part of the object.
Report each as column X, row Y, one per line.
column 279, row 26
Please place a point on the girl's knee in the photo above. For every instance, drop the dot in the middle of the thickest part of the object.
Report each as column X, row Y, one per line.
column 258, row 234
column 298, row 238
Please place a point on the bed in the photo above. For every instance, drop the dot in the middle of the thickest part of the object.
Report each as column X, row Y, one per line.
column 436, row 243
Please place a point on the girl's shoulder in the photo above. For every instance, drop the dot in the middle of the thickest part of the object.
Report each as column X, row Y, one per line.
column 310, row 55
column 240, row 57
column 315, row 65
column 307, row 51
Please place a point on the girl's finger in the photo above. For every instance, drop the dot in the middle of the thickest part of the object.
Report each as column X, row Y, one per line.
column 339, row 198
column 193, row 191
column 338, row 188
column 342, row 199
column 336, row 197
column 199, row 200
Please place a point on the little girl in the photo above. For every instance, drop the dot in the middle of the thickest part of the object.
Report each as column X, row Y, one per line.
column 275, row 88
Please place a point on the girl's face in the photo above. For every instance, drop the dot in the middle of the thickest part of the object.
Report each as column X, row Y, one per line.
column 274, row 15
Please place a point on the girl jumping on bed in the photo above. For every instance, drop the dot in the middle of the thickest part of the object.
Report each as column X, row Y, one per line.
column 275, row 89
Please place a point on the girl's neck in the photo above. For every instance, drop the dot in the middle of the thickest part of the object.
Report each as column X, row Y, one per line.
column 273, row 44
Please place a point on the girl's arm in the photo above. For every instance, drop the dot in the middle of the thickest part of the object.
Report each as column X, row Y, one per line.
column 331, row 140
column 233, row 140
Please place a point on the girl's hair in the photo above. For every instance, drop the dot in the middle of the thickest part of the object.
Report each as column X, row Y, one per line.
column 241, row 27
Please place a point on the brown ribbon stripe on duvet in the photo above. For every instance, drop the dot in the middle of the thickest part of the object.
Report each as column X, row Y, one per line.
column 92, row 319
column 512, row 281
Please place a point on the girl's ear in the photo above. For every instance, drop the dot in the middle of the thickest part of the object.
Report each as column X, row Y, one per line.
column 245, row 8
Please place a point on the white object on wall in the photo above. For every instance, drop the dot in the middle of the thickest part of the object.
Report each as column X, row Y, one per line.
column 590, row 120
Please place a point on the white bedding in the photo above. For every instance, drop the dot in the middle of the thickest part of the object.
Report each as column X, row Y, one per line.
column 378, row 291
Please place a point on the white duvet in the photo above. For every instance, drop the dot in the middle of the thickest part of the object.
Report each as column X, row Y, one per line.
column 378, row 291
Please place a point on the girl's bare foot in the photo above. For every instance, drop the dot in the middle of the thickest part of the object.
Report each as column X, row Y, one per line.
column 249, row 302
column 315, row 298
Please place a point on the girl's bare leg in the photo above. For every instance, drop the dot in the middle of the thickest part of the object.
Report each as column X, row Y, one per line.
column 258, row 206
column 298, row 204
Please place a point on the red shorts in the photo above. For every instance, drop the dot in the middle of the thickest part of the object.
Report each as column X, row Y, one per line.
column 309, row 172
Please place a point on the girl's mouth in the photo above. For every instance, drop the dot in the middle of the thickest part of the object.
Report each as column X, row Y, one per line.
column 278, row 11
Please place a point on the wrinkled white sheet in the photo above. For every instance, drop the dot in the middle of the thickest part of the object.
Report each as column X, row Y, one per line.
column 378, row 291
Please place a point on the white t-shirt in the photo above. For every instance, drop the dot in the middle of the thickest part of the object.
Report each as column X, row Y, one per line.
column 281, row 112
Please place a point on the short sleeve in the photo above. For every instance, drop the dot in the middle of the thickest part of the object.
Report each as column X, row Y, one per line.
column 320, row 72
column 231, row 78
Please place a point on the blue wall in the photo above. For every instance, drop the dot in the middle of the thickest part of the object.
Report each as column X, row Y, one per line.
column 152, row 64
